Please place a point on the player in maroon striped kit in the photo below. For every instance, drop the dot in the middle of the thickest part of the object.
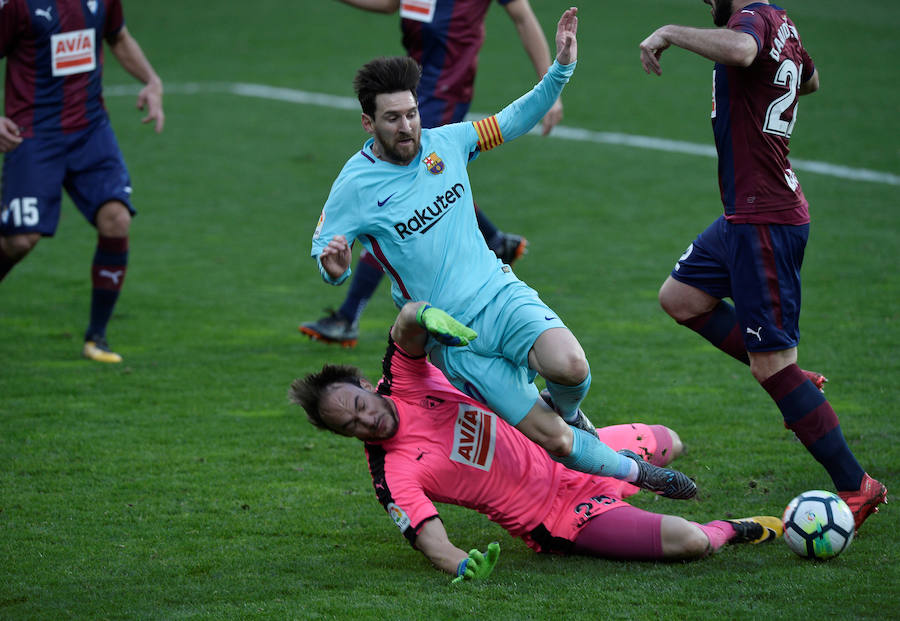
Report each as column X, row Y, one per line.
column 55, row 133
column 753, row 252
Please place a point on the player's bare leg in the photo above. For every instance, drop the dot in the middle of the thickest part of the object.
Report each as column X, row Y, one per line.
column 557, row 356
column 14, row 248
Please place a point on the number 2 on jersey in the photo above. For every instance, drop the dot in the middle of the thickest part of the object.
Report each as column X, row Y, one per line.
column 788, row 75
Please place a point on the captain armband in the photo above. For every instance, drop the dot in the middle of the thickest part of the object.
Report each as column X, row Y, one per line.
column 489, row 135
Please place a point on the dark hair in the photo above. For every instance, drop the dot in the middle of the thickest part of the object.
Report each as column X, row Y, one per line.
column 385, row 75
column 307, row 392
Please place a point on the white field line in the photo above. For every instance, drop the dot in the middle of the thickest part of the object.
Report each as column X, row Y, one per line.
column 290, row 95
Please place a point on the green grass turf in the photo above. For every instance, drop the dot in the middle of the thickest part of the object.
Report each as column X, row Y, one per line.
column 181, row 484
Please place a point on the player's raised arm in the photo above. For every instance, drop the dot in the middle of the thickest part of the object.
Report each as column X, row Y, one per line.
column 535, row 44
column 566, row 42
column 525, row 112
column 725, row 46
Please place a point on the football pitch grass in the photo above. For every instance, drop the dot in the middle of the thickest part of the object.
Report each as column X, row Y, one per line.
column 181, row 484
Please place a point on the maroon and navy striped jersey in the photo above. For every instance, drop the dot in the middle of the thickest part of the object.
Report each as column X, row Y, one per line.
column 754, row 111
column 444, row 37
column 54, row 66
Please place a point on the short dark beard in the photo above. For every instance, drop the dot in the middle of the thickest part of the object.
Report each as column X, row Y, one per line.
column 721, row 12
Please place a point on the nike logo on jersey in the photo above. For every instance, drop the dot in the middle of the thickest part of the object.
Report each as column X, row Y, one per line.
column 549, row 318
column 45, row 13
column 384, row 202
column 757, row 333
column 748, row 12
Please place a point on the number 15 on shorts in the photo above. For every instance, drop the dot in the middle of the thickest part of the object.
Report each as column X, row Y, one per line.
column 23, row 211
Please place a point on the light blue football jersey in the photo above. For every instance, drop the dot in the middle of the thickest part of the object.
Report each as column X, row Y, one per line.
column 419, row 221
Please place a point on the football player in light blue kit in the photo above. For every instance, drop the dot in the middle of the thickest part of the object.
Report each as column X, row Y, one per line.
column 406, row 197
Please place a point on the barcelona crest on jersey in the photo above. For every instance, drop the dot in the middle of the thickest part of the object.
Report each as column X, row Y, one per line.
column 434, row 164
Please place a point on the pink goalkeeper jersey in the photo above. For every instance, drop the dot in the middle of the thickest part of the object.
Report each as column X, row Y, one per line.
column 486, row 465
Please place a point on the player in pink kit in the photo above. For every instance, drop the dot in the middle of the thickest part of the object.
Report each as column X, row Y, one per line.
column 427, row 442
column 753, row 252
column 56, row 133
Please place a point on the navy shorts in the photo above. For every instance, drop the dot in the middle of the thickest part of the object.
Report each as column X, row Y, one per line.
column 757, row 266
column 88, row 164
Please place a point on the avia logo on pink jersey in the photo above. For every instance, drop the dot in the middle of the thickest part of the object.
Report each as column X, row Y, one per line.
column 73, row 52
column 474, row 437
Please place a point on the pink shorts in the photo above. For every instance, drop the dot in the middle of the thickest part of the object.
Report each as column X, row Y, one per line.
column 582, row 497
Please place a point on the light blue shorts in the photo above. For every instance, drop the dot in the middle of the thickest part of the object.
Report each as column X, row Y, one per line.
column 494, row 367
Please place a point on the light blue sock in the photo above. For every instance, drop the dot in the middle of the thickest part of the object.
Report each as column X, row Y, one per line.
column 566, row 399
column 590, row 455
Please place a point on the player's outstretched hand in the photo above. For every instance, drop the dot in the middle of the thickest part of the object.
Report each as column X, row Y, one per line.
column 443, row 327
column 651, row 49
column 566, row 43
column 150, row 98
column 478, row 566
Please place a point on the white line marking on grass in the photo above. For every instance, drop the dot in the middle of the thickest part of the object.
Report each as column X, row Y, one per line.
column 291, row 95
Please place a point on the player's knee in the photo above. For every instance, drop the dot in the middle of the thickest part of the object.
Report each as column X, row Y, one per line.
column 684, row 302
column 113, row 220
column 577, row 367
column 667, row 300
column 571, row 368
column 17, row 246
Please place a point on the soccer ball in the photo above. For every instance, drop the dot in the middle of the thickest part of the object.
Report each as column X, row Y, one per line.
column 818, row 524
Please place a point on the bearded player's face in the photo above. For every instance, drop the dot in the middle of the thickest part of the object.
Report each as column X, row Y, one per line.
column 396, row 127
